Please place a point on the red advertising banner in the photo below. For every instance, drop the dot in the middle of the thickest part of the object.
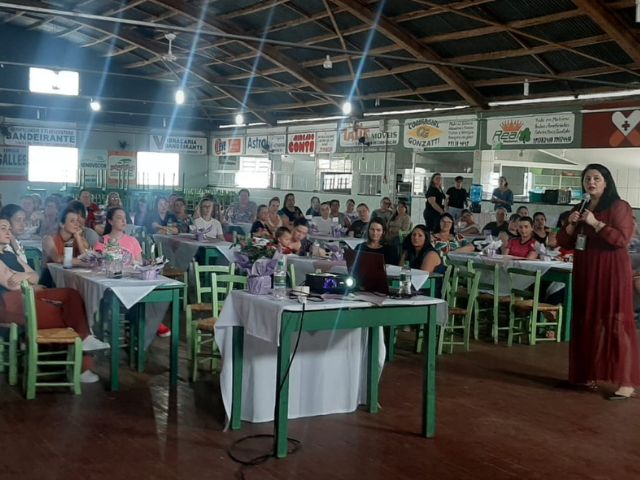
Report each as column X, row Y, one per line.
column 616, row 126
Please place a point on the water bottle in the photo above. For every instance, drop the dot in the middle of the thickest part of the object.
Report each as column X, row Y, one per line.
column 68, row 255
column 280, row 280
column 405, row 279
column 315, row 249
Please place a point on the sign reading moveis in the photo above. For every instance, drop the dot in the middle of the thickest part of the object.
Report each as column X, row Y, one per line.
column 441, row 132
column 372, row 132
column 301, row 143
column 55, row 137
column 611, row 129
column 223, row 147
column 543, row 129
column 178, row 144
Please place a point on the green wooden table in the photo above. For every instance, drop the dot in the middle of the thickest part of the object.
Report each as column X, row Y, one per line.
column 164, row 293
column 346, row 318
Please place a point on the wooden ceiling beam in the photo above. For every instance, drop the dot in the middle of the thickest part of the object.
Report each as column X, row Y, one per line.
column 258, row 7
column 610, row 24
column 407, row 41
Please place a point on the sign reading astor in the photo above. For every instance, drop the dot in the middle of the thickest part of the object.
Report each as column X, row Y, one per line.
column 56, row 137
column 301, row 143
column 441, row 132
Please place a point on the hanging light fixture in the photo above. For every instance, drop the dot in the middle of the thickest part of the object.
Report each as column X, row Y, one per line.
column 346, row 107
column 327, row 64
column 239, row 119
column 180, row 96
column 525, row 87
column 95, row 105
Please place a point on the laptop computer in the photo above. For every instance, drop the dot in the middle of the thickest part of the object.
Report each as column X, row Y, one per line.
column 369, row 270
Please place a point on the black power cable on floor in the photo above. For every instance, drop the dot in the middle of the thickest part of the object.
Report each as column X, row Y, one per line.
column 294, row 444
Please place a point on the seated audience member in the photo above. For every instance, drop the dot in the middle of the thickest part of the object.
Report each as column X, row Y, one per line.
column 523, row 246
column 183, row 218
column 115, row 230
column 206, row 221
column 522, row 211
column 343, row 221
column 140, row 215
column 399, row 222
column 324, row 222
column 90, row 235
column 289, row 212
column 114, row 200
column 16, row 217
column 417, row 250
column 445, row 240
column 161, row 219
column 384, row 212
column 351, row 212
column 376, row 242
column 273, row 219
column 260, row 227
column 283, row 240
column 499, row 225
column 55, row 307
column 468, row 224
column 92, row 208
column 69, row 230
column 360, row 226
column 512, row 232
column 49, row 222
column 300, row 244
column 33, row 215
column 540, row 230
column 314, row 209
column 242, row 211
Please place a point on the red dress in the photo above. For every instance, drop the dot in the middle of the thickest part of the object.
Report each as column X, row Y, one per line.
column 604, row 342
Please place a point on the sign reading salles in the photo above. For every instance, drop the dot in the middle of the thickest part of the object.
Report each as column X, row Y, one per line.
column 13, row 163
column 441, row 132
column 53, row 137
column 178, row 144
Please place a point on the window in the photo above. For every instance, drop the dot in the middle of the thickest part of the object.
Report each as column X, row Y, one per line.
column 160, row 169
column 63, row 82
column 254, row 172
column 336, row 182
column 53, row 164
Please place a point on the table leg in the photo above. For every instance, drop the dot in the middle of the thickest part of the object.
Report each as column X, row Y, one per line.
column 115, row 342
column 175, row 337
column 140, row 319
column 567, row 307
column 391, row 344
column 429, row 387
column 236, row 387
column 282, row 390
column 373, row 374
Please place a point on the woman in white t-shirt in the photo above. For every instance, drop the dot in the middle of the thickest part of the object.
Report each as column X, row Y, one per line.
column 324, row 222
column 206, row 220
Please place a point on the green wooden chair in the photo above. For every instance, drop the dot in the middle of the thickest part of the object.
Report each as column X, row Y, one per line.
column 175, row 274
column 527, row 314
column 204, row 329
column 9, row 351
column 292, row 276
column 488, row 301
column 70, row 360
column 459, row 321
column 203, row 290
column 34, row 258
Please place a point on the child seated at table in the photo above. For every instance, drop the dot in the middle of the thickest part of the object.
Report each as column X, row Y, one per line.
column 114, row 230
column 523, row 246
column 283, row 240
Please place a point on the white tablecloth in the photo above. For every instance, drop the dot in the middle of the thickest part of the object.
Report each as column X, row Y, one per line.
column 512, row 262
column 180, row 249
column 92, row 287
column 350, row 241
column 328, row 374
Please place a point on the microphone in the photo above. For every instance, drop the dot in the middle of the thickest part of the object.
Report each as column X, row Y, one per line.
column 585, row 199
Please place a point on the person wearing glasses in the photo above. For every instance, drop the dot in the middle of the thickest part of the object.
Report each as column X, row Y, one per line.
column 385, row 211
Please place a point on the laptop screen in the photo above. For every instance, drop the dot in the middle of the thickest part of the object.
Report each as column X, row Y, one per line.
column 368, row 269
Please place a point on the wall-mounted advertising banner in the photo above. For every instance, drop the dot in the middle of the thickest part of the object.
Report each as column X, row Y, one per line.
column 13, row 163
column 52, row 137
column 178, row 144
column 301, row 143
column 611, row 129
column 526, row 130
column 92, row 162
column 278, row 144
column 326, row 142
column 256, row 145
column 223, row 147
column 121, row 169
column 441, row 132
column 375, row 133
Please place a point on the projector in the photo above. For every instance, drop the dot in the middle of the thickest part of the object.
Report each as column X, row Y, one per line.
column 329, row 283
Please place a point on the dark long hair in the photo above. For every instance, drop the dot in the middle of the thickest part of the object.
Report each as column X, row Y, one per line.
column 610, row 194
column 9, row 210
column 406, row 207
column 384, row 229
column 453, row 223
column 409, row 250
column 112, row 211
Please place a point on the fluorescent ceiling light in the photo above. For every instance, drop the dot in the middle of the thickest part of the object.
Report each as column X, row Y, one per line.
column 620, row 93
column 525, row 101
column 417, row 110
column 318, row 119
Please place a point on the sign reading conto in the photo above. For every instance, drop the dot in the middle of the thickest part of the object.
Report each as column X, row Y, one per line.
column 441, row 132
column 301, row 143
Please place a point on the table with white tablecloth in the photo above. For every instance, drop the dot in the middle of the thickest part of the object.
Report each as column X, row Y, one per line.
column 351, row 242
column 181, row 249
column 336, row 366
column 94, row 287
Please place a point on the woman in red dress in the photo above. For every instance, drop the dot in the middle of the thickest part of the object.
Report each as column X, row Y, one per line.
column 604, row 342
